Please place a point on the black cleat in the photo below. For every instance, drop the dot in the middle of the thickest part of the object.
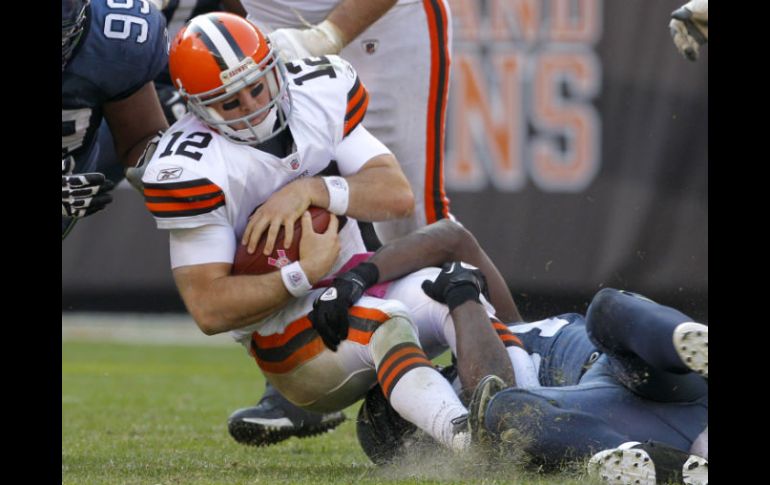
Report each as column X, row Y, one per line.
column 275, row 419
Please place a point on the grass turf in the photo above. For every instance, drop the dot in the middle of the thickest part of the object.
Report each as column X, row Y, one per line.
column 148, row 414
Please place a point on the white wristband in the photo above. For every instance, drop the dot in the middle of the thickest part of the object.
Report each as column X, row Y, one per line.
column 338, row 194
column 295, row 280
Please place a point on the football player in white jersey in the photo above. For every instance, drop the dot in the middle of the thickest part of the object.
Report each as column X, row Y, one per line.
column 263, row 135
column 402, row 50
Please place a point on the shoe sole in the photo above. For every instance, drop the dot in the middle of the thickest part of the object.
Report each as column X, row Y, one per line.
column 254, row 434
column 691, row 341
column 623, row 467
column 695, row 471
column 485, row 390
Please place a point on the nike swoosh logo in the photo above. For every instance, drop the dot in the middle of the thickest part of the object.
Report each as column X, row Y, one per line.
column 277, row 422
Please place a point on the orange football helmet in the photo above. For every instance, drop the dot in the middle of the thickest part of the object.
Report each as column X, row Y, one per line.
column 217, row 54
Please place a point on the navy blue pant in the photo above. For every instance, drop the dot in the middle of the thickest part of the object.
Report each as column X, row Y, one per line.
column 638, row 390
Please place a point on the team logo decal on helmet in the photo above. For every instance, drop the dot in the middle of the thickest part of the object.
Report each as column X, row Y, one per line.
column 214, row 57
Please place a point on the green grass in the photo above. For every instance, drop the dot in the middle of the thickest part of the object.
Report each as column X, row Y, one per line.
column 147, row 414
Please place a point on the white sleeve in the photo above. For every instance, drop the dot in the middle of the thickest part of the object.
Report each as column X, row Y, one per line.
column 212, row 243
column 356, row 149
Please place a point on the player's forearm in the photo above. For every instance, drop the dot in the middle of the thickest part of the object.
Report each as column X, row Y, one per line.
column 232, row 302
column 436, row 244
column 352, row 17
column 380, row 191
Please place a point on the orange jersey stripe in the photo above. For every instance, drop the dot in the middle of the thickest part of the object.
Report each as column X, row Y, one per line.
column 355, row 99
column 182, row 193
column 181, row 206
column 355, row 119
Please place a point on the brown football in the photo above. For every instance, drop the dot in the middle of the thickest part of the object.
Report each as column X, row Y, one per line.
column 258, row 263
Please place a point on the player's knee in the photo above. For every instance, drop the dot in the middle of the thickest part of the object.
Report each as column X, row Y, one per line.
column 515, row 417
column 393, row 332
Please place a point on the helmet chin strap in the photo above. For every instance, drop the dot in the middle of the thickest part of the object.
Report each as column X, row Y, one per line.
column 261, row 130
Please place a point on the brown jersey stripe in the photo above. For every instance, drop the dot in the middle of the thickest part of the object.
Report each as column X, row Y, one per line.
column 182, row 200
column 355, row 90
column 181, row 205
column 436, row 201
column 355, row 101
column 358, row 117
column 183, row 192
column 180, row 185
column 186, row 209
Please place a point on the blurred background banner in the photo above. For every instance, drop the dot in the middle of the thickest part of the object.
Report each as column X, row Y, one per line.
column 576, row 152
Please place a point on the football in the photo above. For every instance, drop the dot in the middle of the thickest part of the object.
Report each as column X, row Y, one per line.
column 258, row 263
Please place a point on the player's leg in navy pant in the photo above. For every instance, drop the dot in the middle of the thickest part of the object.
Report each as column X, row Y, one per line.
column 637, row 335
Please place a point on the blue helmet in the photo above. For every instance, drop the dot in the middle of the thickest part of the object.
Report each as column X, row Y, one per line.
column 73, row 17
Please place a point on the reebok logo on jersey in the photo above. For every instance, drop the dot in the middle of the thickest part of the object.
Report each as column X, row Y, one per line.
column 169, row 173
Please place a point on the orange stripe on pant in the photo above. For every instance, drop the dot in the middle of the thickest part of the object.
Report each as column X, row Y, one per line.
column 313, row 347
column 436, row 202
column 508, row 337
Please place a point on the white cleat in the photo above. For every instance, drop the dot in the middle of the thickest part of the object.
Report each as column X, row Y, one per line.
column 691, row 341
column 696, row 471
column 623, row 466
column 635, row 463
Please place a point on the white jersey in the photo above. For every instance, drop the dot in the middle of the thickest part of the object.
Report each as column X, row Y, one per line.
column 276, row 14
column 197, row 177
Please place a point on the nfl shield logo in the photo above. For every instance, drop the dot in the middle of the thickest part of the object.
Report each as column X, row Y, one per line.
column 370, row 46
column 294, row 163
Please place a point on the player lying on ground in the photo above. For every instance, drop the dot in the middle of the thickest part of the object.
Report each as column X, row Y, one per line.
column 622, row 373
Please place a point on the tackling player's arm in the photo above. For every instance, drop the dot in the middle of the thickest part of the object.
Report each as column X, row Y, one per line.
column 439, row 243
column 220, row 302
column 134, row 121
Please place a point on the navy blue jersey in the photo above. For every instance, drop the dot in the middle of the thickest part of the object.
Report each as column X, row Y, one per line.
column 560, row 348
column 122, row 48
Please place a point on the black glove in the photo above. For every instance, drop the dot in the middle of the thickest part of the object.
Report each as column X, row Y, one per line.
column 456, row 284
column 83, row 194
column 330, row 310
